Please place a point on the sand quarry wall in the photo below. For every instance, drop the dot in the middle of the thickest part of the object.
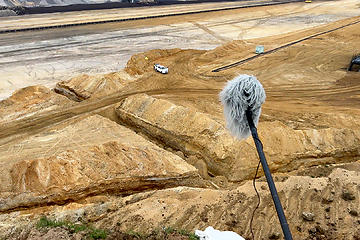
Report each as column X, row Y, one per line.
column 81, row 170
column 121, row 160
column 196, row 134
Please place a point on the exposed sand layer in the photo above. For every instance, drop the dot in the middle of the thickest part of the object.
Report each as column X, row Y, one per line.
column 139, row 150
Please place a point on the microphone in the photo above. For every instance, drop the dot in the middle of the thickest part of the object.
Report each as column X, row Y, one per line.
column 242, row 98
column 243, row 93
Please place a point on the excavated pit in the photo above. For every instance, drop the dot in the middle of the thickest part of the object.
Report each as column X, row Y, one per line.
column 123, row 157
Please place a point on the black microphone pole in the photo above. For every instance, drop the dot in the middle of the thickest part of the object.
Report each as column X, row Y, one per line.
column 269, row 179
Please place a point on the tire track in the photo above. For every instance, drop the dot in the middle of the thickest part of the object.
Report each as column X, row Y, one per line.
column 255, row 4
column 281, row 47
column 36, row 123
column 212, row 33
column 161, row 32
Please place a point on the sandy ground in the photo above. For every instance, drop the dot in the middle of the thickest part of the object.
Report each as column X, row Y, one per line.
column 311, row 99
column 46, row 57
column 40, row 20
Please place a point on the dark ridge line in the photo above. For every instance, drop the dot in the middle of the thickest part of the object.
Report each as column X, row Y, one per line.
column 279, row 48
column 106, row 5
column 98, row 6
column 141, row 18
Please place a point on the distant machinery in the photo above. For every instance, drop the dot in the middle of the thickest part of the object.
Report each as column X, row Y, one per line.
column 355, row 61
column 144, row 1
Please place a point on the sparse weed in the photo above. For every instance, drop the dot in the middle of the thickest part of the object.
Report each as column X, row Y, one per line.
column 163, row 234
column 136, row 234
column 183, row 232
column 97, row 233
column 191, row 236
column 77, row 227
column 92, row 233
column 169, row 230
column 45, row 222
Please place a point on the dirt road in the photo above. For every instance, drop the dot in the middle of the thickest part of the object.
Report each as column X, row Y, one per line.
column 46, row 57
column 46, row 20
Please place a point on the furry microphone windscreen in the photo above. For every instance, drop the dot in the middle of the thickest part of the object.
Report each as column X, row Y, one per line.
column 242, row 93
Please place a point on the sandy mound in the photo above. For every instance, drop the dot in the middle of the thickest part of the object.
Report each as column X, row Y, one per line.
column 197, row 135
column 144, row 62
column 29, row 101
column 317, row 208
column 86, row 157
column 84, row 86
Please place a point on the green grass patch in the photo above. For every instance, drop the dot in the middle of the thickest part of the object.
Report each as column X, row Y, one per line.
column 91, row 232
column 97, row 233
column 45, row 222
column 94, row 233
